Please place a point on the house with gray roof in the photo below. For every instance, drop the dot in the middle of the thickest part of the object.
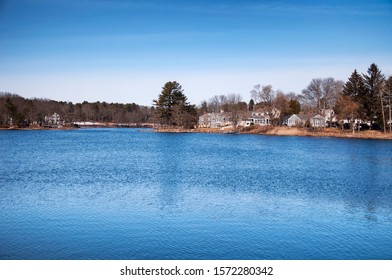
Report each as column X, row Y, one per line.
column 214, row 120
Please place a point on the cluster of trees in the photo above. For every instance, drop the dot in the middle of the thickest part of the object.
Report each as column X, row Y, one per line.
column 321, row 94
column 171, row 108
column 364, row 97
column 367, row 97
column 23, row 112
column 268, row 99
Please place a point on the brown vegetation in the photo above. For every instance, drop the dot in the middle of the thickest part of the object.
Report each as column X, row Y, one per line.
column 327, row 132
column 287, row 131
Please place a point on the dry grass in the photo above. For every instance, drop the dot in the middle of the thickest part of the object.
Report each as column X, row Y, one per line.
column 296, row 131
column 326, row 132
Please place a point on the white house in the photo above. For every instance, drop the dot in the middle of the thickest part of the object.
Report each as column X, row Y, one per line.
column 317, row 121
column 262, row 121
column 54, row 120
column 329, row 115
column 296, row 120
column 256, row 118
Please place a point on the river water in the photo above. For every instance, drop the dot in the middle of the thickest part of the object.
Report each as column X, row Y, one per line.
column 131, row 194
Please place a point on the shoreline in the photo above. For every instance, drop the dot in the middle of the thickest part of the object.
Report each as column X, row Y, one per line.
column 287, row 131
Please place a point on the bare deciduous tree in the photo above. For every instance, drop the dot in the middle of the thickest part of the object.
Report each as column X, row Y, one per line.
column 263, row 94
column 234, row 107
column 217, row 102
column 347, row 109
column 322, row 94
column 314, row 93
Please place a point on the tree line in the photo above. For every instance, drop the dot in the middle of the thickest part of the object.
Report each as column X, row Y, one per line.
column 21, row 112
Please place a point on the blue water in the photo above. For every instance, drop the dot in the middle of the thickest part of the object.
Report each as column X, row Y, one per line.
column 127, row 194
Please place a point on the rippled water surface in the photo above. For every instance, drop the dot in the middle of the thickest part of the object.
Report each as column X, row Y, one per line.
column 126, row 194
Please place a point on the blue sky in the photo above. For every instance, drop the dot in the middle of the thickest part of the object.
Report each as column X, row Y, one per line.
column 124, row 51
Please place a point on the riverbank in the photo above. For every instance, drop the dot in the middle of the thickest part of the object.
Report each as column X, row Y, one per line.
column 287, row 131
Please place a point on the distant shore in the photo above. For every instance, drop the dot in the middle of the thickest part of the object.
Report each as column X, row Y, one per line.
column 288, row 131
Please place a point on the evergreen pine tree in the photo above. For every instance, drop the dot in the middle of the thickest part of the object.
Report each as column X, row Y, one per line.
column 172, row 105
column 251, row 105
column 355, row 88
column 294, row 107
column 374, row 82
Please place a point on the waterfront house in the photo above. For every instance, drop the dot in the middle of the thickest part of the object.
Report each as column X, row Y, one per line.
column 256, row 118
column 54, row 120
column 296, row 120
column 329, row 116
column 317, row 121
column 262, row 120
column 214, row 120
column 272, row 112
column 262, row 117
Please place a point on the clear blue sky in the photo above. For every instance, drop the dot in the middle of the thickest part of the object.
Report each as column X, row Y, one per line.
column 124, row 51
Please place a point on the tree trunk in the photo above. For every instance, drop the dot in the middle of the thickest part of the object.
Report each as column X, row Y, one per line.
column 383, row 113
column 352, row 117
column 390, row 116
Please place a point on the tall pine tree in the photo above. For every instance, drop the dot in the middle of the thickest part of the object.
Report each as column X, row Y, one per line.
column 355, row 88
column 374, row 82
column 172, row 106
